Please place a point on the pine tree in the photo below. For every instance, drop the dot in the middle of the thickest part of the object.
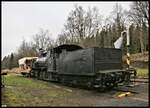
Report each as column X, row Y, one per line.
column 10, row 66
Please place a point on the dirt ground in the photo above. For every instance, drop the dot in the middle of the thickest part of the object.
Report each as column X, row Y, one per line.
column 139, row 97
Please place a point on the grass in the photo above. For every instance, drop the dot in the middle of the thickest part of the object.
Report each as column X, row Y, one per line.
column 142, row 72
column 12, row 80
column 21, row 91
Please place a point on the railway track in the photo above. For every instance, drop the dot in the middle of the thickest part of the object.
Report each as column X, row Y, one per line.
column 142, row 80
column 131, row 87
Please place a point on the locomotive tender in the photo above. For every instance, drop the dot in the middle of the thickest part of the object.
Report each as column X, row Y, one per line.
column 73, row 65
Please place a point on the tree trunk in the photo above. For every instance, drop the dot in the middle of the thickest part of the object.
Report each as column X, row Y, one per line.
column 141, row 41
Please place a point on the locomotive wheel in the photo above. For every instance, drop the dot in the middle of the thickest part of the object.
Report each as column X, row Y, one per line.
column 31, row 73
column 90, row 85
column 27, row 75
column 109, row 84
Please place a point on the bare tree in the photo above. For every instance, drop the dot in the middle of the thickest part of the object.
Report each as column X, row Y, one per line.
column 139, row 15
column 82, row 24
column 26, row 49
column 62, row 38
column 43, row 39
column 74, row 25
column 140, row 11
column 113, row 25
column 119, row 17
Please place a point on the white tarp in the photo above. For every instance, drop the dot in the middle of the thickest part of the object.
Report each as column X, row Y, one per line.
column 118, row 43
column 22, row 60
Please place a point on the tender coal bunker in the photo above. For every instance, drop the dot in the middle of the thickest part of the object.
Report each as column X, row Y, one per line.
column 77, row 63
column 67, row 48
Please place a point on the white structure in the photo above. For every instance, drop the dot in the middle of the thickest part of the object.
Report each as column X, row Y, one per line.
column 119, row 41
column 23, row 60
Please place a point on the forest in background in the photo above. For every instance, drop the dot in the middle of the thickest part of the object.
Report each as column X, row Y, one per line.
column 88, row 28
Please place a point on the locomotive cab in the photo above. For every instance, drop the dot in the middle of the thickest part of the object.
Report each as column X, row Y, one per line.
column 55, row 53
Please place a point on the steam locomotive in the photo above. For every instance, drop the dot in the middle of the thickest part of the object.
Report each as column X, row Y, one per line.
column 73, row 65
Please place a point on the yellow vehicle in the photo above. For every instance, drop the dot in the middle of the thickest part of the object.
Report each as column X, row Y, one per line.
column 25, row 65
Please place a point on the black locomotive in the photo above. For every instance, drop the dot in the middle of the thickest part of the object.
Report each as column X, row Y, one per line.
column 86, row 67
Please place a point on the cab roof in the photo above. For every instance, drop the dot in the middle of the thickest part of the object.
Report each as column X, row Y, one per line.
column 68, row 47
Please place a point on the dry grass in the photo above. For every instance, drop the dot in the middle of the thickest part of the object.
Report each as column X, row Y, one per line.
column 138, row 57
column 14, row 70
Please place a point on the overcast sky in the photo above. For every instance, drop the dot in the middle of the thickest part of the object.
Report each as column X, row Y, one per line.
column 24, row 19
